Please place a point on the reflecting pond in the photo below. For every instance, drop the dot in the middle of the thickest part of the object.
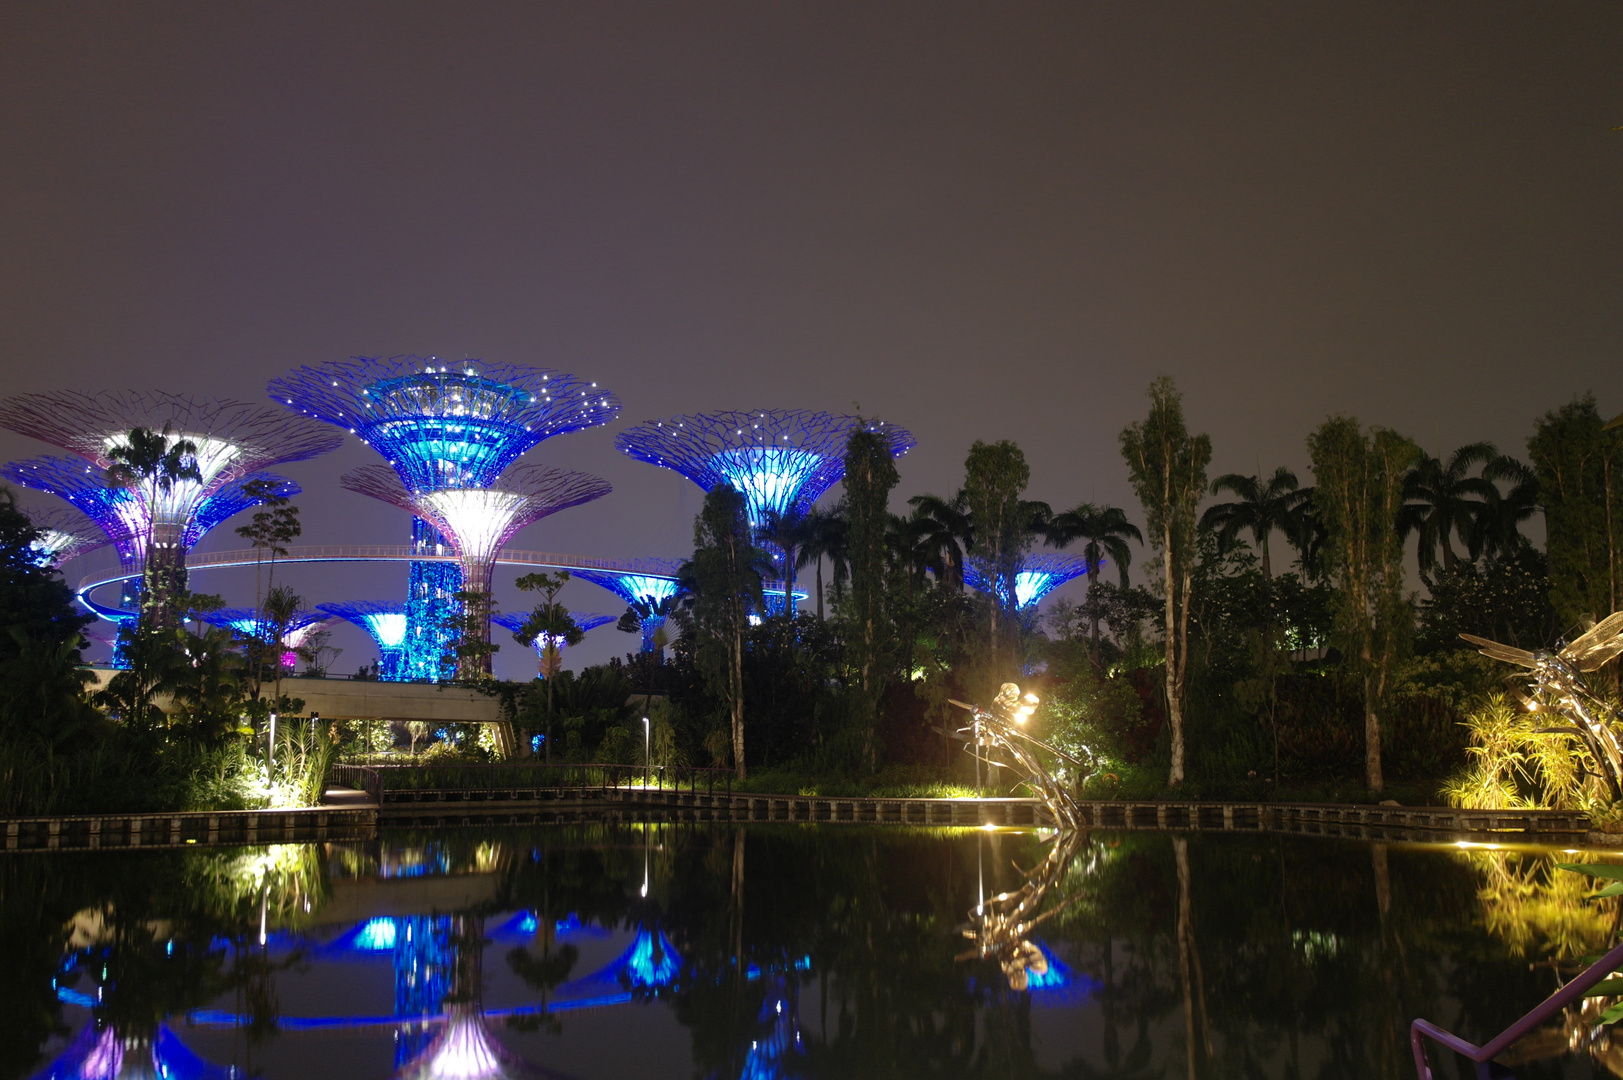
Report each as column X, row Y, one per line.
column 758, row 951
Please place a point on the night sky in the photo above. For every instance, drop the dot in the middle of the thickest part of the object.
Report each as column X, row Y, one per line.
column 977, row 221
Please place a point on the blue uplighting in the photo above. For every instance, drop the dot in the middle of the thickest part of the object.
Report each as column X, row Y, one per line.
column 778, row 459
column 648, row 590
column 1039, row 575
column 375, row 935
column 386, row 623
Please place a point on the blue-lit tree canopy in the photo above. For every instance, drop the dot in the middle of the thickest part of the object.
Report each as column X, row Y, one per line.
column 387, row 625
column 647, row 591
column 120, row 513
column 250, row 624
column 1039, row 574
column 586, row 620
column 64, row 534
column 445, row 425
column 778, row 459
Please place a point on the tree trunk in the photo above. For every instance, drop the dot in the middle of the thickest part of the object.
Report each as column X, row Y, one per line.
column 1174, row 649
column 1093, row 610
column 1372, row 735
column 819, row 588
column 736, row 677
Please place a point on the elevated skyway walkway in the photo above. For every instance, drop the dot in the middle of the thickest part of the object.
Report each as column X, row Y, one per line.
column 327, row 553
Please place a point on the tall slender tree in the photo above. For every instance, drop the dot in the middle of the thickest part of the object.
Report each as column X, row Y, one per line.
column 552, row 624
column 870, row 474
column 1261, row 507
column 1104, row 531
column 995, row 479
column 946, row 534
column 1359, row 497
column 789, row 531
column 724, row 580
column 826, row 536
column 1580, row 481
column 1167, row 467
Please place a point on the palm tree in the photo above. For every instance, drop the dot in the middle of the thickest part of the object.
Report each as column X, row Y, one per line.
column 1106, row 531
column 787, row 530
column 825, row 539
column 151, row 463
column 1500, row 533
column 945, row 532
column 1441, row 499
column 1262, row 506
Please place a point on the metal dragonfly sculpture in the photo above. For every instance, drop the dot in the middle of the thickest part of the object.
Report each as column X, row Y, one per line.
column 1000, row 730
column 1001, row 926
column 1558, row 686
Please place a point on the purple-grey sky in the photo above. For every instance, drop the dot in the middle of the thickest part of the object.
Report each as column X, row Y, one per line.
column 979, row 221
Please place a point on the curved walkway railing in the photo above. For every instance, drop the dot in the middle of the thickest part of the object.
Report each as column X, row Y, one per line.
column 1483, row 1055
column 378, row 780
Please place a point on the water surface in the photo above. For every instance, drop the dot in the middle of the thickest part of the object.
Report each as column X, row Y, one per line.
column 758, row 951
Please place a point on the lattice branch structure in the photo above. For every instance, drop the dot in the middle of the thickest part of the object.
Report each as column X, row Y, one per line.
column 386, row 623
column 65, row 533
column 249, row 624
column 586, row 620
column 648, row 590
column 444, row 425
column 233, row 439
column 778, row 459
column 121, row 513
column 478, row 522
column 1040, row 573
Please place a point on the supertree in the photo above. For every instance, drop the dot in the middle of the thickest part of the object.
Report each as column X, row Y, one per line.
column 232, row 439
column 251, row 624
column 64, row 534
column 387, row 625
column 650, row 589
column 779, row 459
column 443, row 426
column 586, row 620
column 1038, row 575
column 120, row 513
column 477, row 522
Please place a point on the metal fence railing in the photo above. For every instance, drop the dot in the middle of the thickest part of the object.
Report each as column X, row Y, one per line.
column 379, row 780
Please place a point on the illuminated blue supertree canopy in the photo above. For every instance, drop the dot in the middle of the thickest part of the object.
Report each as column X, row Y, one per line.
column 64, row 534
column 387, row 625
column 231, row 440
column 445, row 425
column 586, row 620
column 778, row 459
column 121, row 513
column 648, row 588
column 248, row 623
column 1039, row 575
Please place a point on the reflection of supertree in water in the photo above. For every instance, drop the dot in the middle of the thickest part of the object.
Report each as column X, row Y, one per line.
column 387, row 625
column 1038, row 575
column 424, row 962
column 768, row 1057
column 586, row 620
column 650, row 593
column 101, row 1053
column 463, row 1047
column 478, row 522
column 442, row 427
column 233, row 439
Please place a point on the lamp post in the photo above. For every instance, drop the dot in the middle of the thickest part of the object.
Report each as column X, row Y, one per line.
column 646, row 745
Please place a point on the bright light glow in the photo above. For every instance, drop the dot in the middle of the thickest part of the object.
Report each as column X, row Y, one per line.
column 769, row 477
column 376, row 935
column 1039, row 574
column 651, row 960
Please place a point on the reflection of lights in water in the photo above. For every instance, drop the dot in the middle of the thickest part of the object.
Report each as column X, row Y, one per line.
column 106, row 1055
column 464, row 1049
column 651, row 960
column 376, row 935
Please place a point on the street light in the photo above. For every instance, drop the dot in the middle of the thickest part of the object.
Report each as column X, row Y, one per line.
column 645, row 754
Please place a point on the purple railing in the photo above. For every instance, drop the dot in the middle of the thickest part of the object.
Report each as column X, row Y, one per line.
column 1483, row 1055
